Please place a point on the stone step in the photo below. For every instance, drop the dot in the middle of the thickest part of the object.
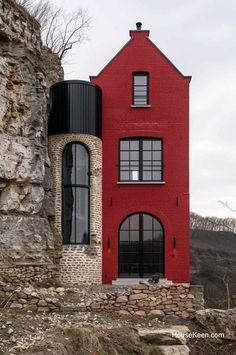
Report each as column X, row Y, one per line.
column 129, row 282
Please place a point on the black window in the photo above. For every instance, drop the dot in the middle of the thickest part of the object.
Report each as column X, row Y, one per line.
column 75, row 194
column 140, row 89
column 141, row 159
column 141, row 246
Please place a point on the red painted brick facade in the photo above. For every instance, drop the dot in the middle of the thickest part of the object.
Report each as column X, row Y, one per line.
column 167, row 118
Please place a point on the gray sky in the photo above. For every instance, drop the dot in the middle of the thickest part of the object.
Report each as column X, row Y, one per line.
column 198, row 36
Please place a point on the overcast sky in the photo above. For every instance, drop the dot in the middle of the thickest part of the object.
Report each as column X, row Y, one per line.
column 198, row 36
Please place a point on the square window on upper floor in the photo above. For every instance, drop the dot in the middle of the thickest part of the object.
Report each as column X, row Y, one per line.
column 141, row 160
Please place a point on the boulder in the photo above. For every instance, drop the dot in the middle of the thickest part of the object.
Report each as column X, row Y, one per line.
column 166, row 336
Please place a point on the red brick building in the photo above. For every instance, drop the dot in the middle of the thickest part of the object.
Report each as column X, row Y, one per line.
column 145, row 188
column 119, row 147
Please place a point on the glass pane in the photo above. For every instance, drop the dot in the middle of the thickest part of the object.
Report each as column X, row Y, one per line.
column 124, row 155
column 81, row 219
column 134, row 236
column 158, row 245
column 125, row 224
column 69, row 165
column 134, row 222
column 147, row 236
column 157, row 235
column 140, row 89
column 124, row 145
column 140, row 101
column 147, row 175
column 156, row 155
column 133, row 258
column 158, row 257
column 147, row 221
column 157, row 224
column 156, row 144
column 68, row 218
column 148, row 269
column 140, row 79
column 134, row 145
column 134, row 155
column 134, row 269
column 147, row 145
column 147, row 155
column 134, row 247
column 147, row 247
column 147, row 258
column 124, row 163
column 134, row 175
column 124, row 175
column 147, row 164
column 124, row 247
column 82, row 165
column 124, row 236
column 140, row 94
column 157, row 175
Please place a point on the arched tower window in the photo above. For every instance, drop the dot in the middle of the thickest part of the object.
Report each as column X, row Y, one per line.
column 75, row 194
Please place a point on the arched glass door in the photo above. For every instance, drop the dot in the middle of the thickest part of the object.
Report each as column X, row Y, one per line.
column 141, row 246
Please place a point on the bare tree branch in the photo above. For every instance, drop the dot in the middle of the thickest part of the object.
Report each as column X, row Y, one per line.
column 60, row 31
column 226, row 205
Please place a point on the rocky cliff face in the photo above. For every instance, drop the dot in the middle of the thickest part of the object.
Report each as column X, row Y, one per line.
column 27, row 69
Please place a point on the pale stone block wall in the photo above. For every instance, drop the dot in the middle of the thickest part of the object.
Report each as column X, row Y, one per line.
column 80, row 264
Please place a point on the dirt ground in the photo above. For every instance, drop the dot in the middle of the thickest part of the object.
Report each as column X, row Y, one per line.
column 82, row 333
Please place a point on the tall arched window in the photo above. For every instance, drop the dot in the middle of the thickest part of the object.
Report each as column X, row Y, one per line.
column 75, row 194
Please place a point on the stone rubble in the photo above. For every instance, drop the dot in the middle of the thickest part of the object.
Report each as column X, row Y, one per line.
column 219, row 321
column 30, row 298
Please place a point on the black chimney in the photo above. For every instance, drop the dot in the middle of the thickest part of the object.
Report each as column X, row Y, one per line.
column 139, row 26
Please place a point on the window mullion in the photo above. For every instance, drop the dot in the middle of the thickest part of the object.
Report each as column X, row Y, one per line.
column 140, row 160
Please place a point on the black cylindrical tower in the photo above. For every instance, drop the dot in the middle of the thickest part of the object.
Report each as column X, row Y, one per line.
column 75, row 107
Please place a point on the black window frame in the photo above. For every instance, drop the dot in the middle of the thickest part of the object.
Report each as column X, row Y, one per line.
column 146, row 96
column 79, row 186
column 141, row 167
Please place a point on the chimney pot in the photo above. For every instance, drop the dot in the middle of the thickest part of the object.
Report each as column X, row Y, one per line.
column 139, row 26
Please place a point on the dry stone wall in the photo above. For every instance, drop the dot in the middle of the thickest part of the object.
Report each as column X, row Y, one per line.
column 155, row 300
column 142, row 299
column 27, row 69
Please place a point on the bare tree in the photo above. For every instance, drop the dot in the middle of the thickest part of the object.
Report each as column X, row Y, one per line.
column 212, row 223
column 60, row 31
